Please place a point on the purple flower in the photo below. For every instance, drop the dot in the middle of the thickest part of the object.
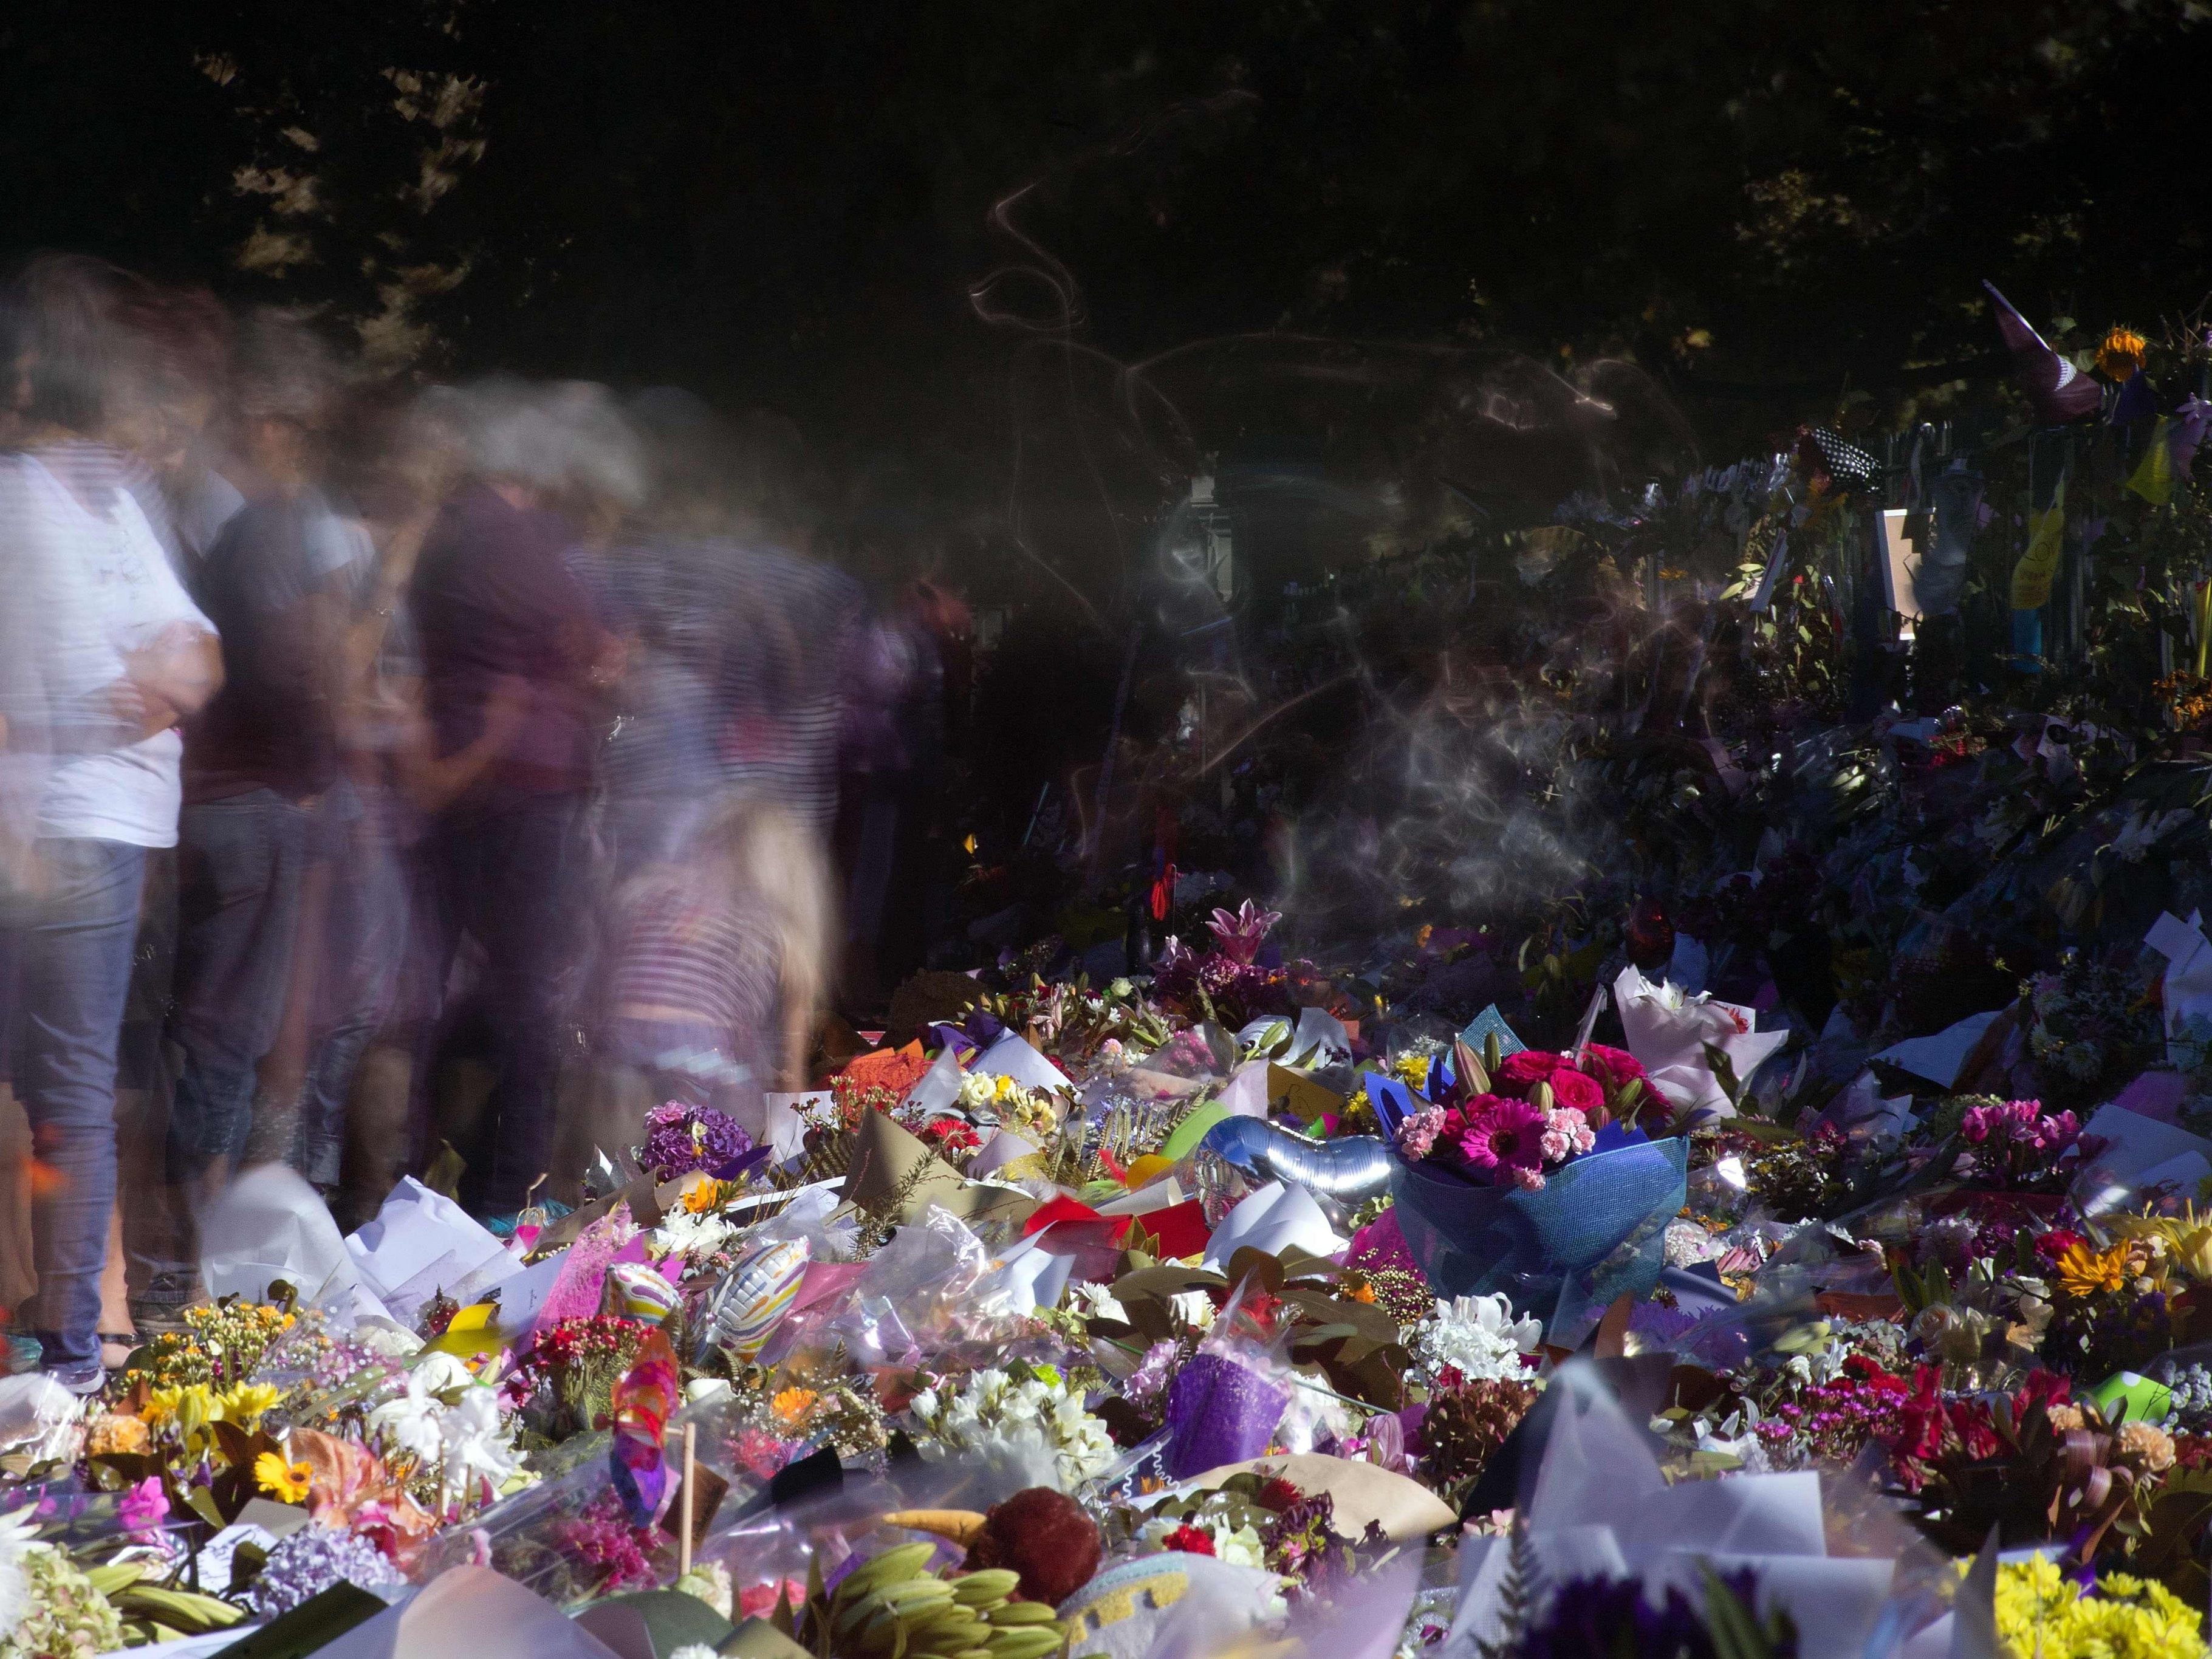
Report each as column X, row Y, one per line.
column 2016, row 1144
column 1152, row 1371
column 304, row 1566
column 1238, row 936
column 679, row 1138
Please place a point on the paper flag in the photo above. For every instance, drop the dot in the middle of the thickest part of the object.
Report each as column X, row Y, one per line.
column 2059, row 391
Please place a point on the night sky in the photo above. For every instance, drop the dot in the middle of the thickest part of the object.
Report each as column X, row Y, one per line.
column 1381, row 241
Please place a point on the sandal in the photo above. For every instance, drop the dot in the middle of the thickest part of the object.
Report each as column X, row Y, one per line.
column 115, row 1348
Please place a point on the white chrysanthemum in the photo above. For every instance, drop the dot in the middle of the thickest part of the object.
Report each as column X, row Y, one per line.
column 692, row 1236
column 1476, row 1336
column 990, row 1409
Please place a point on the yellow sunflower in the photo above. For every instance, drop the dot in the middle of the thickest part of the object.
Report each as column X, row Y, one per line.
column 286, row 1482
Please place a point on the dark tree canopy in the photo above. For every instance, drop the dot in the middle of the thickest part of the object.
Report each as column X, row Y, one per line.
column 1770, row 210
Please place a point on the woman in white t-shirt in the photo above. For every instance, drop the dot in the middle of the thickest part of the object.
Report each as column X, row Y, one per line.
column 122, row 658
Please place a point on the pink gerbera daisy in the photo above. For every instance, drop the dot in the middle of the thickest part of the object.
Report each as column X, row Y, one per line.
column 1502, row 1135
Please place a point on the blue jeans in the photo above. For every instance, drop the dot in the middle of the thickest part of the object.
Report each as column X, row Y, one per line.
column 75, row 948
column 240, row 864
column 364, row 947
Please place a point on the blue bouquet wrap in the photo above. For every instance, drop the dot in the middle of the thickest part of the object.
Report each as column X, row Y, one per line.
column 1595, row 1231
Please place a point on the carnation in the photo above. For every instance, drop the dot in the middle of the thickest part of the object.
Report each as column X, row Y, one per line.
column 1417, row 1135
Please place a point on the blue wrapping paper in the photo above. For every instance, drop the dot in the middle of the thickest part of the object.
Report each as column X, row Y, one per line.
column 1596, row 1231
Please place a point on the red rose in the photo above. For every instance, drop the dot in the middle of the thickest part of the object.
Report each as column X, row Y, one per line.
column 1582, row 1093
column 1519, row 1072
column 1613, row 1068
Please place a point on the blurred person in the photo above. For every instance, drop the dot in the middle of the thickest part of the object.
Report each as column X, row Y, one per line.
column 513, row 657
column 179, row 369
column 258, row 760
column 894, row 749
column 177, row 374
column 394, row 459
column 112, row 656
column 772, row 632
column 717, row 972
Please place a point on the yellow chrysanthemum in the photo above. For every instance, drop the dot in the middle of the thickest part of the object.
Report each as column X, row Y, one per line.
column 1411, row 1070
column 2041, row 1612
column 245, row 1403
column 2084, row 1272
column 286, row 1482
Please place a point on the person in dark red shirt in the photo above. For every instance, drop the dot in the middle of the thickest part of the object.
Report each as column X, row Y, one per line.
column 512, row 664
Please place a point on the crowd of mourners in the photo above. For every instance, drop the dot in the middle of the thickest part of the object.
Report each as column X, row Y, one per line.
column 396, row 773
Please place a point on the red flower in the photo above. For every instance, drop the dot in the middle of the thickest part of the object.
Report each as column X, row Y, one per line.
column 2055, row 1243
column 1277, row 1494
column 1921, row 1419
column 1977, row 1430
column 1612, row 1067
column 1585, row 1094
column 1521, row 1072
column 1189, row 1541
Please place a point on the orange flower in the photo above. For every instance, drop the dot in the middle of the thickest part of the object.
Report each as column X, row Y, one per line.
column 792, row 1405
column 111, row 1435
column 895, row 1069
column 2083, row 1272
column 2122, row 354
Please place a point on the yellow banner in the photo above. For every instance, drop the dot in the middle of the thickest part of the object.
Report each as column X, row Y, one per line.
column 2031, row 577
column 2154, row 479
